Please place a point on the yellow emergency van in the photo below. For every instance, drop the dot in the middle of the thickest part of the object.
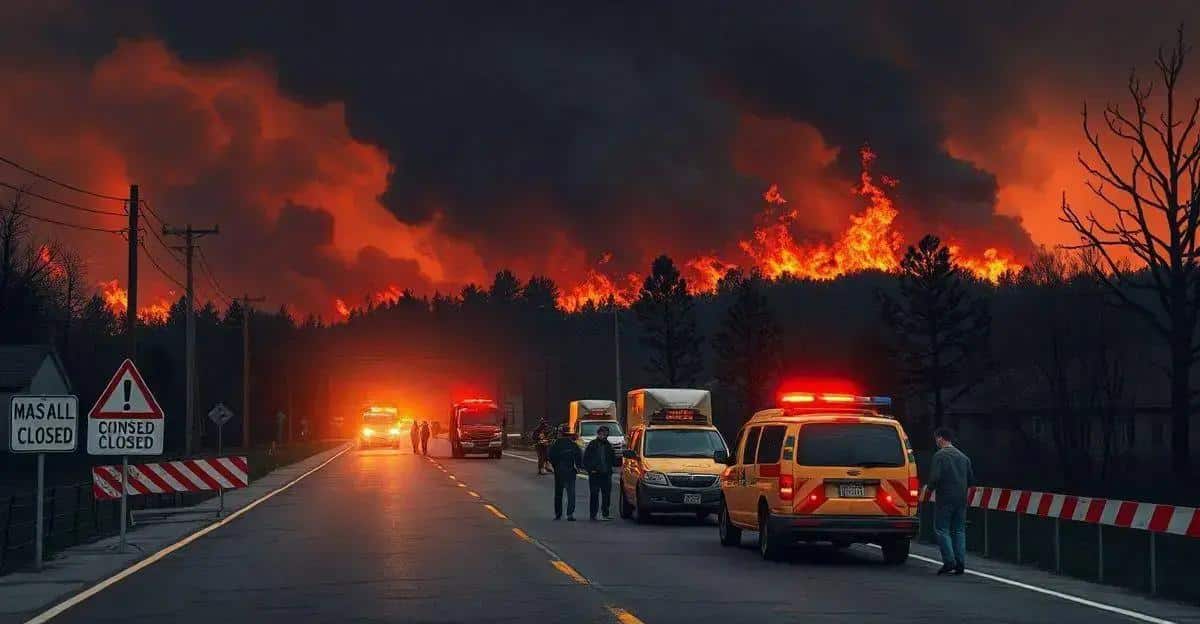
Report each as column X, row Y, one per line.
column 668, row 460
column 822, row 467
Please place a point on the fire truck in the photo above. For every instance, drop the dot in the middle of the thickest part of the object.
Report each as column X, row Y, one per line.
column 476, row 426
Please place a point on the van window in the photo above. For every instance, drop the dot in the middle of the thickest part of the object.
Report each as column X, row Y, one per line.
column 841, row 444
column 683, row 443
column 751, row 445
column 771, row 444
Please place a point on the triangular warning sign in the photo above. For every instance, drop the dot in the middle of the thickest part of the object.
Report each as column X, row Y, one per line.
column 126, row 396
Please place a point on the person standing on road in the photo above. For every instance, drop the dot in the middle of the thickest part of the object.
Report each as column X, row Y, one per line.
column 414, row 432
column 425, row 438
column 541, row 443
column 599, row 459
column 949, row 476
column 565, row 459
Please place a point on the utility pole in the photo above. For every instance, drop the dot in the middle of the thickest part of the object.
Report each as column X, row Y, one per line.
column 190, row 235
column 246, row 300
column 617, row 352
column 131, row 309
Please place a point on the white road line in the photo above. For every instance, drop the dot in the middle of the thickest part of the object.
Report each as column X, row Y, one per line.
column 1141, row 617
column 57, row 609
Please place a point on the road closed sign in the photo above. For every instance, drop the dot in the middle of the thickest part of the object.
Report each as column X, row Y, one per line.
column 126, row 419
column 43, row 424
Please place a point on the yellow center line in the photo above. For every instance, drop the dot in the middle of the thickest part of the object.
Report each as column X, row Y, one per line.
column 453, row 477
column 565, row 568
column 522, row 534
column 462, row 485
column 496, row 512
column 624, row 617
column 475, row 494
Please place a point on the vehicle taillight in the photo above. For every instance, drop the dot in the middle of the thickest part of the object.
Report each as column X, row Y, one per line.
column 786, row 487
column 914, row 491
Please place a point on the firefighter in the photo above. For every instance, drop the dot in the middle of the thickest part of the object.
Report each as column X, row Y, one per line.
column 425, row 438
column 541, row 441
column 565, row 459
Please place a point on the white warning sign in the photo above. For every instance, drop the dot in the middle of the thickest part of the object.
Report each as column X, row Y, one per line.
column 126, row 419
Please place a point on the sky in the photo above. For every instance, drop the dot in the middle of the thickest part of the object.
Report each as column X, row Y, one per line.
column 352, row 148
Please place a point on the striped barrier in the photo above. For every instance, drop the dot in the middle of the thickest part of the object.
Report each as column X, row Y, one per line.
column 188, row 475
column 1118, row 513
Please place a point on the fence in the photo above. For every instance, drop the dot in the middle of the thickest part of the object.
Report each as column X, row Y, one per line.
column 1144, row 546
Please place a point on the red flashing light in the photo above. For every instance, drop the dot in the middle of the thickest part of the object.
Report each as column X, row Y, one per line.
column 830, row 397
column 914, row 491
column 786, row 487
column 797, row 397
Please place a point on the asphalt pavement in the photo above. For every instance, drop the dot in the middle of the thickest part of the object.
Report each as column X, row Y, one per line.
column 384, row 535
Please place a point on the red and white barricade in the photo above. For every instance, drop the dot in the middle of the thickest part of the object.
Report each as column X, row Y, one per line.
column 1124, row 514
column 188, row 475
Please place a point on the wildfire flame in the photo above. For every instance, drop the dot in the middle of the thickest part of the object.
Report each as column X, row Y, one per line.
column 342, row 309
column 115, row 297
column 707, row 271
column 992, row 266
column 773, row 196
column 46, row 256
column 117, row 301
column 391, row 294
column 597, row 288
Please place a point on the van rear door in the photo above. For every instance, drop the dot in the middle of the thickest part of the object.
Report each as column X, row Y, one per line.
column 852, row 467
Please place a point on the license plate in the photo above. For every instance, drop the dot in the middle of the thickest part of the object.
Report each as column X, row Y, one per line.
column 852, row 490
column 468, row 444
column 691, row 499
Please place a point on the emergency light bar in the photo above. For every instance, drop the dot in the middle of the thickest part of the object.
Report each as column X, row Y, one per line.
column 814, row 398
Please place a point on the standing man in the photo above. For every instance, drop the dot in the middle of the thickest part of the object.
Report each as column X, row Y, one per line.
column 541, row 442
column 566, row 459
column 949, row 476
column 414, row 432
column 425, row 438
column 599, row 459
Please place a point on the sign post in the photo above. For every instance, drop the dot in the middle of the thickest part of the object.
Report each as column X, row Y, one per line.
column 126, row 420
column 220, row 415
column 42, row 424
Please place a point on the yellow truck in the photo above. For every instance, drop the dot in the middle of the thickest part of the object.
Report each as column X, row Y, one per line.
column 585, row 416
column 668, row 464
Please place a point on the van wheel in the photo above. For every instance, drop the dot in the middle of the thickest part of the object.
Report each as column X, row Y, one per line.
column 895, row 551
column 640, row 515
column 768, row 544
column 730, row 535
column 625, row 509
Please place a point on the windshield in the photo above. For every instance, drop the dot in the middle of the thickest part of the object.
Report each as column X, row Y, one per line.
column 379, row 418
column 683, row 443
column 485, row 416
column 834, row 444
column 589, row 427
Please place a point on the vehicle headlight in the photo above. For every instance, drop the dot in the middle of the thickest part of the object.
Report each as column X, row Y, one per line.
column 368, row 432
column 654, row 478
column 497, row 435
column 394, row 431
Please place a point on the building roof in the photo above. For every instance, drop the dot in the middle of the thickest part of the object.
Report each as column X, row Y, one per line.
column 19, row 364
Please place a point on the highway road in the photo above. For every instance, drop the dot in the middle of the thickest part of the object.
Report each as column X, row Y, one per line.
column 385, row 535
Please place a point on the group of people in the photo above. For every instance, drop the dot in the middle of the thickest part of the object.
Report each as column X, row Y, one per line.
column 420, row 432
column 598, row 461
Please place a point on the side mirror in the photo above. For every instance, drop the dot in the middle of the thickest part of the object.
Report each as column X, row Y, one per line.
column 629, row 454
column 721, row 457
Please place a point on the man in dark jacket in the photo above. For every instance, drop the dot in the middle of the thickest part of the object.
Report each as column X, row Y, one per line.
column 541, row 443
column 599, row 459
column 425, row 438
column 415, row 434
column 566, row 459
column 949, row 475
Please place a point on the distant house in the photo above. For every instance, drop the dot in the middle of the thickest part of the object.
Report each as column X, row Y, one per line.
column 28, row 369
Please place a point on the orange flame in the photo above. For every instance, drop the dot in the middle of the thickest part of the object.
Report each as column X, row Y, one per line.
column 391, row 294
column 597, row 288
column 155, row 313
column 773, row 196
column 56, row 269
column 342, row 308
column 707, row 271
column 991, row 267
column 115, row 297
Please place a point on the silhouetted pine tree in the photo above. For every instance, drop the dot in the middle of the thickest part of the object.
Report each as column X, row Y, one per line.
column 665, row 310
column 747, row 345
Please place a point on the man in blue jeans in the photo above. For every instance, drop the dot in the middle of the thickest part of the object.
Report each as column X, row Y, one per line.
column 949, row 477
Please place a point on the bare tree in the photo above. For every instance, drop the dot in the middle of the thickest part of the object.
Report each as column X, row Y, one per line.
column 1153, row 209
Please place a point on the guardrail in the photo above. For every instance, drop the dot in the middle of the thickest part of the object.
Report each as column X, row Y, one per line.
column 1135, row 544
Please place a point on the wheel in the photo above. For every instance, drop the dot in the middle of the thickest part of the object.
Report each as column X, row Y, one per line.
column 768, row 544
column 895, row 551
column 640, row 515
column 624, row 508
column 730, row 535
column 702, row 515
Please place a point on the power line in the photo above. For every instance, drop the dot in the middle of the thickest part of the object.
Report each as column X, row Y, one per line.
column 64, row 204
column 170, row 252
column 70, row 225
column 146, row 205
column 60, row 183
column 157, row 266
column 211, row 277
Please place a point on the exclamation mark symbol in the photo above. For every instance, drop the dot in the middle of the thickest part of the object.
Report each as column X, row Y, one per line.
column 128, row 387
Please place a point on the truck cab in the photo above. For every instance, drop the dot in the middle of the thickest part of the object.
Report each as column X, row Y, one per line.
column 381, row 425
column 668, row 465
column 586, row 416
column 476, row 427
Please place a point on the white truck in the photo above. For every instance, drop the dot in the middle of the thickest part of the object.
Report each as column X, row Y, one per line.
column 588, row 415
